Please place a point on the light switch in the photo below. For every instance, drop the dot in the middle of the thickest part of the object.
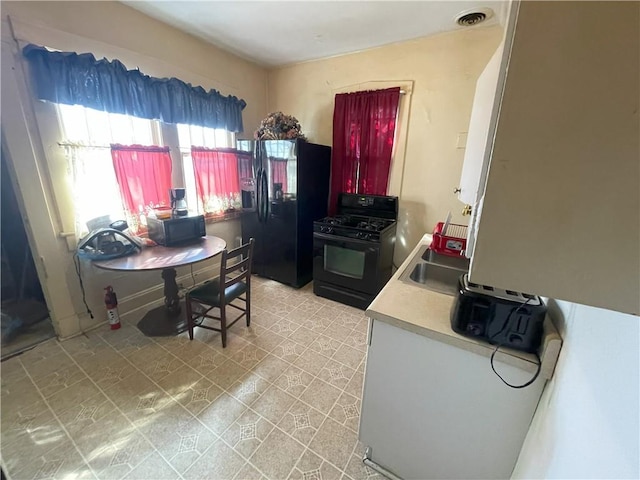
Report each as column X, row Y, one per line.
column 461, row 141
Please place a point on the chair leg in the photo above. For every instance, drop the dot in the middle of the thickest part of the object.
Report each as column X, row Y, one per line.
column 189, row 316
column 223, row 326
column 248, row 311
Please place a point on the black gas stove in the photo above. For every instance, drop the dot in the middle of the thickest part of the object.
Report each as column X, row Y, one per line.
column 353, row 250
column 354, row 226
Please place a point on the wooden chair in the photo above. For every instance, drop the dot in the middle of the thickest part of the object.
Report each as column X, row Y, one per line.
column 234, row 281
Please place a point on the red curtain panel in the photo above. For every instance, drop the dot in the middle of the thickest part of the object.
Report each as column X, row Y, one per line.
column 364, row 125
column 144, row 178
column 217, row 179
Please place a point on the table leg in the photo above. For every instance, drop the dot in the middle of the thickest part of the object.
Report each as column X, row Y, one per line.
column 165, row 321
column 171, row 298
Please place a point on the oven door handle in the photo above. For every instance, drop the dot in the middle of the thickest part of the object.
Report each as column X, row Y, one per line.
column 337, row 238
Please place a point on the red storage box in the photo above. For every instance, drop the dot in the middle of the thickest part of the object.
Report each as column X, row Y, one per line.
column 452, row 241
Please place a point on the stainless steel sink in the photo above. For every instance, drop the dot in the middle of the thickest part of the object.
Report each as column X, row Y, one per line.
column 461, row 263
column 439, row 273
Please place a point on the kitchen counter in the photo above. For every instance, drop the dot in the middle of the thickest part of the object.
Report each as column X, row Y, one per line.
column 426, row 313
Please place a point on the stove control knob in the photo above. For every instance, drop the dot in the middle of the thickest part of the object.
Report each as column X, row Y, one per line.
column 326, row 229
column 364, row 235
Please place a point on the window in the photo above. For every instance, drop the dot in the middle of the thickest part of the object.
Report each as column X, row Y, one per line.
column 87, row 137
column 192, row 135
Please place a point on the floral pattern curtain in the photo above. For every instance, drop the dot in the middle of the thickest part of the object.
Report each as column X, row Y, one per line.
column 217, row 179
column 364, row 125
column 144, row 178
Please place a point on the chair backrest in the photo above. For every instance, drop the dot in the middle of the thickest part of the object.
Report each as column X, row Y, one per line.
column 238, row 270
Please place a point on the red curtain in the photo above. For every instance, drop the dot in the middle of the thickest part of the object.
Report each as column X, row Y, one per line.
column 279, row 172
column 144, row 179
column 217, row 180
column 364, row 125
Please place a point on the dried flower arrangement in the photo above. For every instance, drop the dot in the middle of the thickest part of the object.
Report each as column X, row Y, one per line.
column 278, row 126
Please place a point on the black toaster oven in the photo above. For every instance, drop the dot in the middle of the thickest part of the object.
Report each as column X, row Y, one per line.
column 501, row 317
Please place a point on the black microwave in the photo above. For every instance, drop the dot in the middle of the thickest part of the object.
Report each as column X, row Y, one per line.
column 176, row 230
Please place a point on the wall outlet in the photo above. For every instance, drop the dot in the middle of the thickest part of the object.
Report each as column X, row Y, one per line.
column 461, row 140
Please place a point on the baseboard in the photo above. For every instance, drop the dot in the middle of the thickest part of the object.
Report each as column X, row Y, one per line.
column 143, row 300
column 154, row 296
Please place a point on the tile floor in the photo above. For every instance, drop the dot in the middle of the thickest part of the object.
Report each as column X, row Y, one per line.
column 282, row 401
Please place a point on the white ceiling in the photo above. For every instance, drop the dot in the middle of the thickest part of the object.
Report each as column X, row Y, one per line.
column 274, row 33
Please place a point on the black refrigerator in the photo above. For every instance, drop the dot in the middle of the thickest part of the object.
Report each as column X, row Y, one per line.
column 284, row 189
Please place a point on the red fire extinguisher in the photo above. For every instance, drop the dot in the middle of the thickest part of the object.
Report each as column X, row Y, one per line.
column 111, row 302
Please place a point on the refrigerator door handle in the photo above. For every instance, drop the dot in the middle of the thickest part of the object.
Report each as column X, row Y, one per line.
column 259, row 195
column 265, row 197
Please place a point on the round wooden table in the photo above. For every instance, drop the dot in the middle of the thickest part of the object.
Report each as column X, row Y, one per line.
column 166, row 321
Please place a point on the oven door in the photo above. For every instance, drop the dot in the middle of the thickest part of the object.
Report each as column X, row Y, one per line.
column 346, row 262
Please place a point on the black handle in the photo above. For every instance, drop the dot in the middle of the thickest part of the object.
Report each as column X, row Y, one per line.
column 259, row 194
column 345, row 241
column 265, row 197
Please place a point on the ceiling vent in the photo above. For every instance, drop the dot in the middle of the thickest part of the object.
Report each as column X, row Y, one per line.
column 472, row 17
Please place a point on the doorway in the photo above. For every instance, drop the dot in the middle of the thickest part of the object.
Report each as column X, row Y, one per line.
column 25, row 317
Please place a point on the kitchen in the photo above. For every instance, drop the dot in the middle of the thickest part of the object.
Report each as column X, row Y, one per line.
column 440, row 75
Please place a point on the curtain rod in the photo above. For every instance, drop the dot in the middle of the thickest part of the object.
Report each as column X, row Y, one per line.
column 108, row 147
column 77, row 145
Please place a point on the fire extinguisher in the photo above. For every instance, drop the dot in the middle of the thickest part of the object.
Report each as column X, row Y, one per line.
column 111, row 302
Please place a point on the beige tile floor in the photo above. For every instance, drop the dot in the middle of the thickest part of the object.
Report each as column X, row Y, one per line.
column 282, row 401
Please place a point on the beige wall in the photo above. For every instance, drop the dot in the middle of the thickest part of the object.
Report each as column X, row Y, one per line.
column 440, row 72
column 30, row 135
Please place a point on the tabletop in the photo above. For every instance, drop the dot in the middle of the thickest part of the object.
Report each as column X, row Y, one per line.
column 156, row 258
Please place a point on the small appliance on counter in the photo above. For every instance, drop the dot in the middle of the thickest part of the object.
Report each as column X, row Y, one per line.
column 501, row 317
column 178, row 203
column 176, row 230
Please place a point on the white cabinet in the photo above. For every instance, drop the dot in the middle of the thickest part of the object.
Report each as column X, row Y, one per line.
column 481, row 125
column 558, row 214
column 431, row 410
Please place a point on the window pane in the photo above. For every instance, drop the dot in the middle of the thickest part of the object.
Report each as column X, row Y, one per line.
column 195, row 135
column 222, row 137
column 209, row 136
column 184, row 136
column 142, row 131
column 99, row 128
column 121, row 129
column 93, row 179
column 74, row 123
column 95, row 187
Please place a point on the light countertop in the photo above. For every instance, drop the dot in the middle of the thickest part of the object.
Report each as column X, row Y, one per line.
column 426, row 312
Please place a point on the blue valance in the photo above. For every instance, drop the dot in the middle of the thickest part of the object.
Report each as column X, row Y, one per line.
column 80, row 79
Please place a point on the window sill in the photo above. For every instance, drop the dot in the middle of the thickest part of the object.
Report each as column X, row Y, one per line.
column 212, row 218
